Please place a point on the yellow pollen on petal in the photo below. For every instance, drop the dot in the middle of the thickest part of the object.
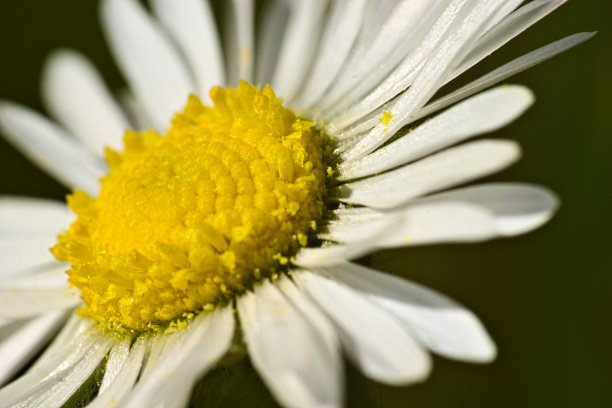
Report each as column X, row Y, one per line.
column 188, row 220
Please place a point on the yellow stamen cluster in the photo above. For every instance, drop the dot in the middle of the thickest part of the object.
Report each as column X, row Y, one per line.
column 188, row 220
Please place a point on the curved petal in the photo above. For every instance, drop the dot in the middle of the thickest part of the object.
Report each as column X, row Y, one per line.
column 442, row 170
column 466, row 214
column 374, row 340
column 124, row 366
column 18, row 303
column 18, row 348
column 51, row 148
column 449, row 53
column 290, row 354
column 240, row 32
column 76, row 95
column 298, row 47
column 192, row 24
column 337, row 39
column 183, row 358
column 483, row 113
column 151, row 64
column 437, row 322
column 21, row 215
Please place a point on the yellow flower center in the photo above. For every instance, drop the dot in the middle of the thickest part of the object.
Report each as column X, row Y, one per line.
column 187, row 220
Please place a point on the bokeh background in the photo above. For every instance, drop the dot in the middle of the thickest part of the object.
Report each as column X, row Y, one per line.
column 545, row 297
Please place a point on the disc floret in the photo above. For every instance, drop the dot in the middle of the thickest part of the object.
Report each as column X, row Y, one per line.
column 190, row 219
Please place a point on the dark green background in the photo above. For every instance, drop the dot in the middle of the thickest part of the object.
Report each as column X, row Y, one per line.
column 545, row 297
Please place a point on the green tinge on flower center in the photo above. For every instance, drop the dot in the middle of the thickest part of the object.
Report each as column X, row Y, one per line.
column 186, row 221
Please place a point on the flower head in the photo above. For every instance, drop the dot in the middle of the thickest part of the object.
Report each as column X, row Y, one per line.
column 220, row 204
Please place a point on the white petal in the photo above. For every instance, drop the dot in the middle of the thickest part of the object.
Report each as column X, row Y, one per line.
column 17, row 302
column 298, row 47
column 152, row 66
column 450, row 51
column 437, row 322
column 48, row 146
column 55, row 391
column 506, row 30
column 421, row 224
column 70, row 347
column 483, row 113
column 117, row 357
column 375, row 341
column 26, row 263
column 398, row 80
column 240, row 16
column 293, row 358
column 183, row 359
column 20, row 215
column 337, row 40
column 512, row 68
column 466, row 214
column 518, row 208
column 275, row 16
column 442, row 170
column 135, row 110
column 18, row 348
column 47, row 276
column 334, row 254
column 192, row 25
column 75, row 93
column 125, row 375
column 403, row 31
column 315, row 317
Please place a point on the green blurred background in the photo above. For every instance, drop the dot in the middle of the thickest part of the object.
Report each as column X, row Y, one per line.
column 544, row 297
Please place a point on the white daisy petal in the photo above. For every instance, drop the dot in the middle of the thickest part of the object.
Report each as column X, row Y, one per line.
column 275, row 16
column 375, row 341
column 45, row 144
column 506, row 30
column 68, row 349
column 466, row 214
column 449, row 52
column 337, row 40
column 240, row 16
column 137, row 113
column 404, row 29
column 404, row 74
column 315, row 317
column 47, row 276
column 75, row 93
column 125, row 368
column 288, row 351
column 442, row 170
column 334, row 254
column 299, row 45
column 20, row 215
column 152, row 66
column 353, row 109
column 508, row 7
column 55, row 391
column 117, row 357
column 512, row 68
column 183, row 359
column 20, row 255
column 422, row 224
column 483, row 113
column 192, row 25
column 18, row 302
column 22, row 344
column 437, row 322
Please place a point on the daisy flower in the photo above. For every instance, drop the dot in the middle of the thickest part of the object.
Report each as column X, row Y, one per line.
column 209, row 215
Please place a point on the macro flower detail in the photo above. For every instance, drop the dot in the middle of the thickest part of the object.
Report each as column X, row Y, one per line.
column 224, row 199
column 214, row 215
